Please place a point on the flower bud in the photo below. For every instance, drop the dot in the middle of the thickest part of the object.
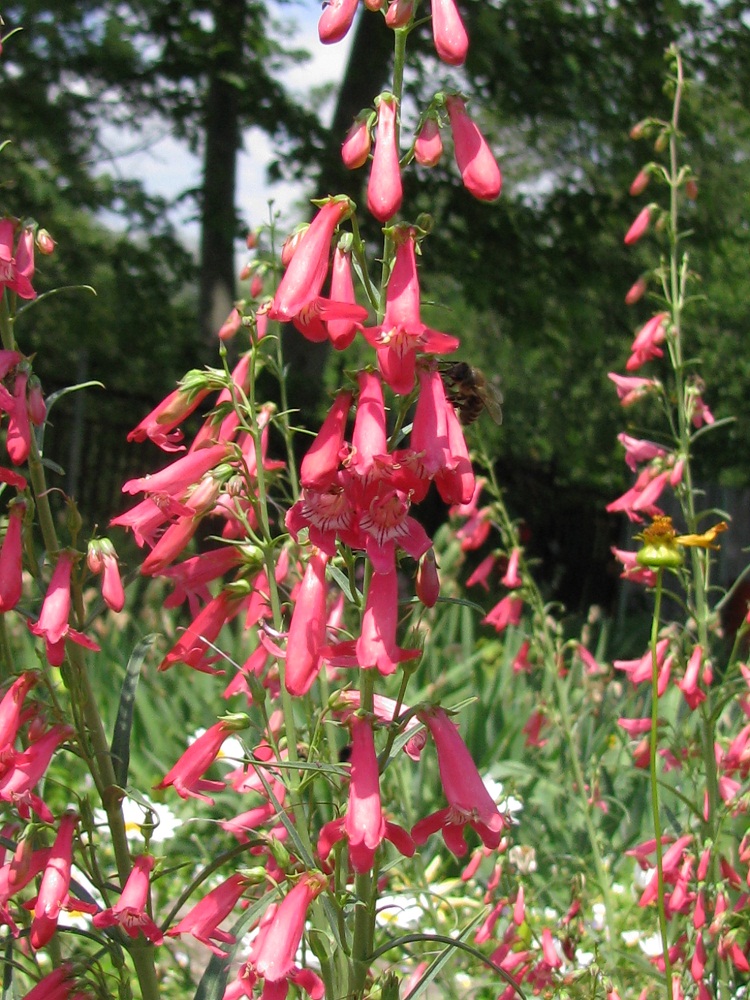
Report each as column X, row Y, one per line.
column 251, row 240
column 44, row 242
column 290, row 245
column 400, row 12
column 636, row 291
column 384, row 190
column 479, row 170
column 356, row 147
column 640, row 182
column 428, row 581
column 428, row 147
column 639, row 226
column 691, row 189
column 336, row 20
column 35, row 402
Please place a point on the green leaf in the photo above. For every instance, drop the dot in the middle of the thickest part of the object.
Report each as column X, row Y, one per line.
column 120, row 749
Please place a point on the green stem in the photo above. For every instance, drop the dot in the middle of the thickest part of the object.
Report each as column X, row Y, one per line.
column 655, row 784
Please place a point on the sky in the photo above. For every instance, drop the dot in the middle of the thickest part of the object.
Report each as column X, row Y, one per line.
column 166, row 167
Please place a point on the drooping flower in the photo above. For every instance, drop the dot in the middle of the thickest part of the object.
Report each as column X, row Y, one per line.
column 56, row 985
column 275, row 947
column 402, row 333
column 53, row 891
column 102, row 558
column 11, row 558
column 478, row 167
column 506, row 612
column 203, row 920
column 307, row 630
column 631, row 388
column 16, row 271
column 187, row 774
column 52, row 625
column 451, row 40
column 320, row 464
column 342, row 331
column 129, row 912
column 646, row 347
column 298, row 297
column 10, row 713
column 384, row 188
column 28, row 768
column 468, row 798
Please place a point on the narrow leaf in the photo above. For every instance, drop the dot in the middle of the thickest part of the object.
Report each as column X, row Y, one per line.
column 120, row 749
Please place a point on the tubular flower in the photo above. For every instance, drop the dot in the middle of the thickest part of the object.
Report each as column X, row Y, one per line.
column 363, row 825
column 275, row 947
column 320, row 464
column 298, row 297
column 645, row 347
column 57, row 985
column 342, row 331
column 11, row 558
column 468, row 798
column 451, row 40
column 639, row 227
column 187, row 774
column 28, row 770
column 384, row 189
column 402, row 333
column 203, row 920
column 10, row 713
column 16, row 271
column 479, row 170
column 102, row 558
column 129, row 912
column 53, row 624
column 53, row 891
column 307, row 630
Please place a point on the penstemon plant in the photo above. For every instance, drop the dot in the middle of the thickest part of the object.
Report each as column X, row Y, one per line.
column 324, row 812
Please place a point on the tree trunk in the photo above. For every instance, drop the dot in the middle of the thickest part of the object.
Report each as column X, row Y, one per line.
column 222, row 139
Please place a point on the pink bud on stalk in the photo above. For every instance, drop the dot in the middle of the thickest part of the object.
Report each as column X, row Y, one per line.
column 479, row 170
column 451, row 40
column 336, row 20
column 384, row 190
column 356, row 147
column 639, row 226
column 428, row 147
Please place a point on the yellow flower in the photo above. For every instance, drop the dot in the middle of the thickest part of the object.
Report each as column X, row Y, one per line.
column 661, row 543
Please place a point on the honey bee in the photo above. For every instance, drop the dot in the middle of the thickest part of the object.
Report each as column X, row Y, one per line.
column 470, row 391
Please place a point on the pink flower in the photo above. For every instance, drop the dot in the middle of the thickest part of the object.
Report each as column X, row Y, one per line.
column 640, row 183
column 18, row 437
column 689, row 683
column 478, row 167
column 16, row 271
column 11, row 558
column 402, row 333
column 28, row 770
column 451, row 40
column 631, row 388
column 533, row 729
column 640, row 670
column 187, row 774
column 53, row 891
column 129, row 912
column 512, row 578
column 469, row 801
column 53, row 624
column 636, row 291
column 506, row 612
column 428, row 146
column 438, row 440
column 399, row 13
column 275, row 947
column 645, row 347
column 336, row 20
column 101, row 557
column 195, row 644
column 10, row 712
column 203, row 920
column 342, row 331
column 56, row 985
column 639, row 226
column 384, row 190
column 637, row 450
column 358, row 142
column 307, row 630
column 274, row 950
column 376, row 645
column 298, row 297
column 320, row 464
